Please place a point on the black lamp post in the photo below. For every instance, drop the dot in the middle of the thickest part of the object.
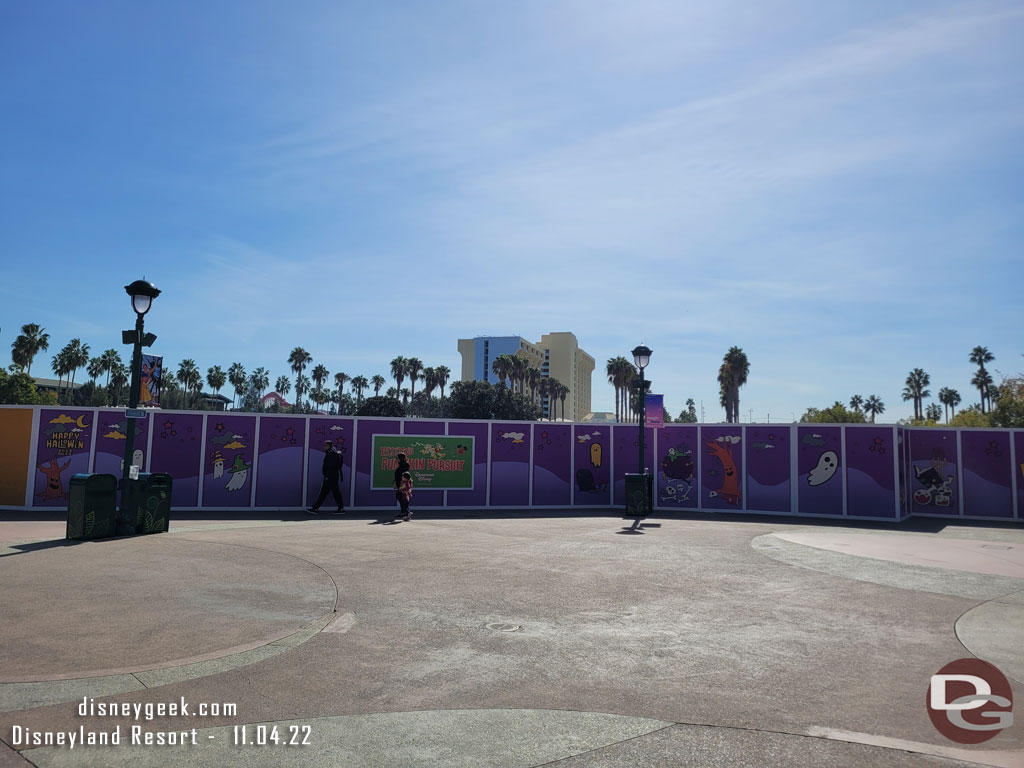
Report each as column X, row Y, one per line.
column 641, row 358
column 142, row 294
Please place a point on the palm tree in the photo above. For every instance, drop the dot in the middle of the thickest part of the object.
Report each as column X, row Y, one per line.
column 259, row 381
column 731, row 376
column 946, row 396
column 501, row 367
column 95, row 369
column 874, row 406
column 429, row 381
column 563, row 392
column 442, row 374
column 856, row 402
column 915, row 390
column 298, row 360
column 189, row 377
column 405, row 396
column 74, row 355
column 216, row 378
column 320, row 374
column 983, row 381
column 32, row 341
column 359, row 383
column 398, row 371
column 237, row 378
column 378, row 381
column 612, row 371
column 119, row 380
column 624, row 372
column 319, row 396
column 954, row 401
column 283, row 385
column 413, row 366
column 111, row 359
column 302, row 386
column 392, row 393
column 532, row 381
column 933, row 412
column 979, row 356
column 59, row 365
column 339, row 381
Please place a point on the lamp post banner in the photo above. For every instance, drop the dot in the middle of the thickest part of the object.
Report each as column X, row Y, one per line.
column 436, row 462
column 152, row 377
column 655, row 411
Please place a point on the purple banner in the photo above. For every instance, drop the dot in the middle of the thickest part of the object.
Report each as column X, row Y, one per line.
column 423, row 498
column 510, row 464
column 338, row 431
column 552, row 473
column 477, row 496
column 870, row 471
column 654, row 411
column 178, row 450
column 933, row 471
column 819, row 463
column 112, row 431
column 676, row 468
column 365, row 497
column 228, row 453
column 768, row 458
column 279, row 463
column 721, row 467
column 63, row 444
column 987, row 473
column 593, row 458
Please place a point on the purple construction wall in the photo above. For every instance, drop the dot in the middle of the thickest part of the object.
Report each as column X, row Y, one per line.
column 871, row 458
column 273, row 461
column 987, row 475
column 721, row 474
column 281, row 445
column 552, row 465
column 480, row 432
column 676, row 468
column 62, row 450
column 511, row 446
column 767, row 453
column 178, row 451
column 819, row 461
column 592, row 461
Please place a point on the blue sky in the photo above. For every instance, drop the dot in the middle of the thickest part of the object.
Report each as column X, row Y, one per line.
column 837, row 188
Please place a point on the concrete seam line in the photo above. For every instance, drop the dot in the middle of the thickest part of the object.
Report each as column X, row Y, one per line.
column 337, row 595
column 144, row 686
column 956, row 624
column 558, row 760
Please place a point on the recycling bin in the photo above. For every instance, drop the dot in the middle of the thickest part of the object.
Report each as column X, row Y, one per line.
column 639, row 494
column 92, row 506
column 147, row 503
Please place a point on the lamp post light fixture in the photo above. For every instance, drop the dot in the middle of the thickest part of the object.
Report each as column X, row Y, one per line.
column 142, row 294
column 642, row 358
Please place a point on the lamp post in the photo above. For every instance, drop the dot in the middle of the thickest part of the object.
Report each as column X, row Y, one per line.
column 142, row 294
column 641, row 358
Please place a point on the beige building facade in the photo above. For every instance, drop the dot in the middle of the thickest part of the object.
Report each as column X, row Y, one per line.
column 556, row 355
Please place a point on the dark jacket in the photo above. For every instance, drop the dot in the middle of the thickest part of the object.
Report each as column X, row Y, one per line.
column 332, row 463
column 403, row 467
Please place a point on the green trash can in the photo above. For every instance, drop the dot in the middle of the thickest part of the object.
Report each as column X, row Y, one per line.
column 147, row 502
column 92, row 506
column 639, row 494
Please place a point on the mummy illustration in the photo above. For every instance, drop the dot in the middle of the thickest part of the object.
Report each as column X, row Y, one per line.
column 595, row 454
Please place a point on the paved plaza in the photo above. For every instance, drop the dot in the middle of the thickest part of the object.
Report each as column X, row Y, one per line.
column 502, row 640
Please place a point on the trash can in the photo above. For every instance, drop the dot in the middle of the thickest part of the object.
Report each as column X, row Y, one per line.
column 92, row 506
column 147, row 502
column 639, row 494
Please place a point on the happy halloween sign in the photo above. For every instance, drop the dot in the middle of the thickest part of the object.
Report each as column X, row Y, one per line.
column 435, row 462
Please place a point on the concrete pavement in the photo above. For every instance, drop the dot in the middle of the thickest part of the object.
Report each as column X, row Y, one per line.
column 514, row 640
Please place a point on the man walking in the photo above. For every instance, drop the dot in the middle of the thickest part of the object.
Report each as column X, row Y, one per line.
column 332, row 476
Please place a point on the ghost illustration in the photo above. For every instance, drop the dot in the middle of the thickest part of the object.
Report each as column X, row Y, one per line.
column 218, row 468
column 137, row 458
column 237, row 480
column 595, row 454
column 828, row 463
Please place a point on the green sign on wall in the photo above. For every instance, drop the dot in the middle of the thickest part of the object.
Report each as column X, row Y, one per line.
column 436, row 462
